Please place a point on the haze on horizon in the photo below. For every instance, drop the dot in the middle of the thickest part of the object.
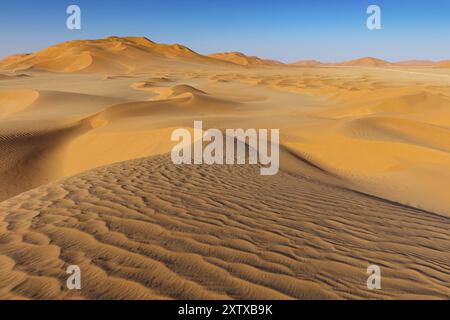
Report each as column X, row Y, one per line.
column 288, row 31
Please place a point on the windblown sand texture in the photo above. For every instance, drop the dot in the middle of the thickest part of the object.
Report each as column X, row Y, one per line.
column 86, row 176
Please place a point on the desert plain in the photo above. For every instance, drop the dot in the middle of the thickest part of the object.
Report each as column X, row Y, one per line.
column 86, row 176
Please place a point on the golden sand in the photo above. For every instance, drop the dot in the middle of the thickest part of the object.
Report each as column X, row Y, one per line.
column 86, row 176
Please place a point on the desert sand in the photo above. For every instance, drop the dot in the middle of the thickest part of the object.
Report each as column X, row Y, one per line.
column 86, row 176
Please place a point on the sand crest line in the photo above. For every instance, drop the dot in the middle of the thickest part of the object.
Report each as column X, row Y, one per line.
column 235, row 147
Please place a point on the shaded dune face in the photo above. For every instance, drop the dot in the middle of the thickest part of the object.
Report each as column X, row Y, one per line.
column 35, row 126
column 149, row 229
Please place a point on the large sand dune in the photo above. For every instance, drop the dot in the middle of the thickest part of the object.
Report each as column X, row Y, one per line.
column 111, row 55
column 244, row 60
column 85, row 177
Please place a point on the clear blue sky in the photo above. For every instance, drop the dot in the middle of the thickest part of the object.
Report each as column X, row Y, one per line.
column 286, row 30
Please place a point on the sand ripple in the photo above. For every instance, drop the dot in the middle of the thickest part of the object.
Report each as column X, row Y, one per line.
column 148, row 229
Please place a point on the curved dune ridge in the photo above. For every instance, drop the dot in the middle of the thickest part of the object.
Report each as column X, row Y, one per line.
column 150, row 229
column 86, row 177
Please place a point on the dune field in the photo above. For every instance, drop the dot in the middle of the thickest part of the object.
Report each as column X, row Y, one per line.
column 86, row 176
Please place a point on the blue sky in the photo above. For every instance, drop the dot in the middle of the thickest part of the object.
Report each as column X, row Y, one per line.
column 285, row 30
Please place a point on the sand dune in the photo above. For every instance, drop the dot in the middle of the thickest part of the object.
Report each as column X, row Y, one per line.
column 416, row 63
column 12, row 59
column 244, row 60
column 149, row 229
column 444, row 64
column 5, row 77
column 367, row 61
column 374, row 62
column 110, row 55
column 13, row 76
column 307, row 63
column 125, row 55
column 32, row 131
column 85, row 177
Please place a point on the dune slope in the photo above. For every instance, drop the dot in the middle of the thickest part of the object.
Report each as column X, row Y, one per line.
column 150, row 229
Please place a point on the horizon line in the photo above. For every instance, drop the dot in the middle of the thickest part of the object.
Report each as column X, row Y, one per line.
column 2, row 57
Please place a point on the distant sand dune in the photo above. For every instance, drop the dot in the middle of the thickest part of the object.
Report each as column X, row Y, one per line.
column 244, row 60
column 33, row 131
column 110, row 55
column 16, row 101
column 367, row 61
